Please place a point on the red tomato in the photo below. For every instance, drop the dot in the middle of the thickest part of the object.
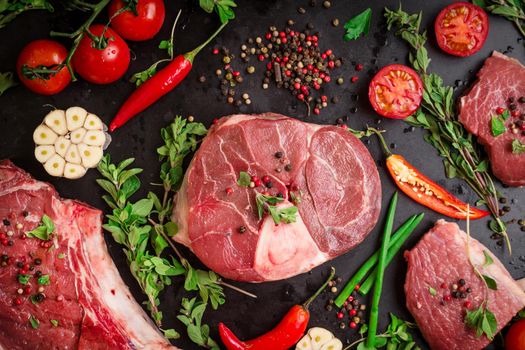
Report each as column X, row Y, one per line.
column 101, row 66
column 515, row 338
column 41, row 54
column 395, row 91
column 461, row 29
column 144, row 25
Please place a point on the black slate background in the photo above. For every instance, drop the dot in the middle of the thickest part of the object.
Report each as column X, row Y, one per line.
column 21, row 111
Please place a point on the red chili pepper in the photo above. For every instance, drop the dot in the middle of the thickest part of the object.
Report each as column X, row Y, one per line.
column 158, row 85
column 288, row 332
column 425, row 191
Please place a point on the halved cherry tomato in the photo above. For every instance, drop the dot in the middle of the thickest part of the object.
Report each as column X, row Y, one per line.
column 395, row 91
column 461, row 29
column 143, row 25
column 37, row 57
column 426, row 192
column 515, row 338
column 101, row 66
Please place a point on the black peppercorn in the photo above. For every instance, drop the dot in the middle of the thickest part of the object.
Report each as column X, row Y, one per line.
column 38, row 273
column 521, row 99
column 39, row 297
column 278, row 154
column 242, row 229
column 469, row 290
column 6, row 222
column 269, row 184
column 288, row 167
column 512, row 106
column 38, row 261
column 25, row 213
column 461, row 282
column 19, row 264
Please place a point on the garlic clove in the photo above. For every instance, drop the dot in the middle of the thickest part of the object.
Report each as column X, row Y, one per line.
column 93, row 122
column 319, row 336
column 43, row 135
column 90, row 155
column 304, row 344
column 56, row 120
column 75, row 117
column 95, row 138
column 78, row 135
column 334, row 344
column 74, row 171
column 72, row 155
column 43, row 153
column 55, row 165
column 61, row 145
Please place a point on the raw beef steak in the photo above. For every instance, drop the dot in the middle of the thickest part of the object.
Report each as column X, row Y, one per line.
column 84, row 304
column 500, row 79
column 440, row 260
column 327, row 167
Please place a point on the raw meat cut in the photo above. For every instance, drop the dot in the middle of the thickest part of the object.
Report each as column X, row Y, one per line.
column 500, row 78
column 85, row 304
column 440, row 258
column 326, row 166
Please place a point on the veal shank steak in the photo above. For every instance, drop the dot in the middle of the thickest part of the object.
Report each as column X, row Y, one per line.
column 72, row 296
column 327, row 167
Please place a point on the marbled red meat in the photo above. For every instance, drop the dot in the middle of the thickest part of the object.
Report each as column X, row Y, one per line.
column 440, row 258
column 86, row 296
column 500, row 78
column 331, row 171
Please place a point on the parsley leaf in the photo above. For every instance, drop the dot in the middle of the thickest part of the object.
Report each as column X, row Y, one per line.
column 222, row 7
column 54, row 323
column 266, row 203
column 432, row 291
column 517, row 147
column 244, row 179
column 6, row 81
column 23, row 278
column 358, row 25
column 43, row 231
column 43, row 280
column 34, row 322
column 497, row 124
column 482, row 321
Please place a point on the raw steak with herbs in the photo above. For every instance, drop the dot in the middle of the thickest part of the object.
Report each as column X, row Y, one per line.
column 437, row 265
column 323, row 171
column 63, row 292
column 494, row 111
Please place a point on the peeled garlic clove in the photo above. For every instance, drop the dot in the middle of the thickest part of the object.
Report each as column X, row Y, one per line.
column 95, row 138
column 93, row 122
column 74, row 171
column 90, row 155
column 319, row 336
column 56, row 120
column 304, row 344
column 43, row 153
column 75, row 117
column 55, row 165
column 43, row 135
column 61, row 146
column 72, row 155
column 78, row 135
column 334, row 344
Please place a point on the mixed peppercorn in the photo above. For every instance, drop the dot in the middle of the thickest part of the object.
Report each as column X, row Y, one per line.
column 456, row 290
column 352, row 307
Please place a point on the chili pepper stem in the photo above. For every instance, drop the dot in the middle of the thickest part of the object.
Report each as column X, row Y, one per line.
column 191, row 55
column 316, row 294
column 382, row 141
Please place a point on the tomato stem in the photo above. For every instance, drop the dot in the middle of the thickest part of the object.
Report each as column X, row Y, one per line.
column 80, row 32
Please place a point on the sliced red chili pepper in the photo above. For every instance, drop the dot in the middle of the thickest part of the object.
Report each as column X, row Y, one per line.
column 425, row 191
column 284, row 336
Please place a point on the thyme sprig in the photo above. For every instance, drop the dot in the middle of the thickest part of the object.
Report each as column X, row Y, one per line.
column 513, row 10
column 462, row 156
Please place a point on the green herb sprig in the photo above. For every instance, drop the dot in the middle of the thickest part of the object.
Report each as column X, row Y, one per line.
column 396, row 336
column 513, row 10
column 358, row 25
column 462, row 156
column 144, row 227
column 44, row 231
column 517, row 147
column 266, row 203
column 191, row 316
column 10, row 9
column 224, row 8
column 481, row 320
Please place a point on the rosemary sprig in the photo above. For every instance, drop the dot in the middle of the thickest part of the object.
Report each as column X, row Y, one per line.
column 513, row 10
column 462, row 157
